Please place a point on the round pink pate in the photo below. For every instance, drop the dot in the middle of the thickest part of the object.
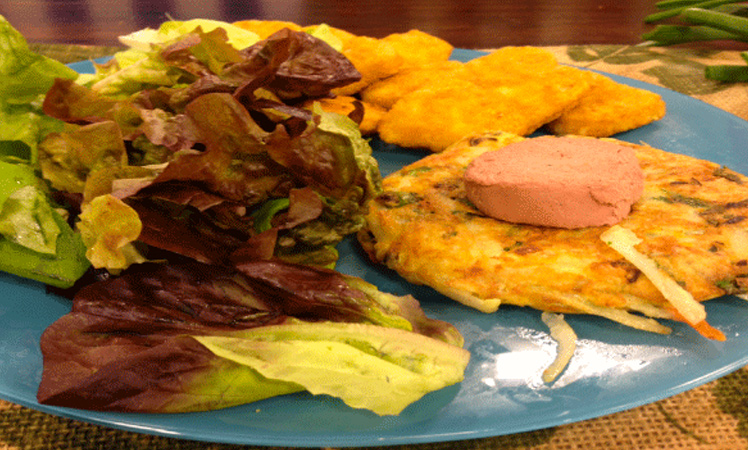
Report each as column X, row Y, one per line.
column 564, row 182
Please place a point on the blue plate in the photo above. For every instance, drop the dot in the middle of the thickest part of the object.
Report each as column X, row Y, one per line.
column 615, row 368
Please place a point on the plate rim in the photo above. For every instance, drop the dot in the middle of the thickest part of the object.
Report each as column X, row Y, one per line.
column 115, row 420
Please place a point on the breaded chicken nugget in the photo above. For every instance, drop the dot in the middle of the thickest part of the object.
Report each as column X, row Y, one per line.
column 419, row 48
column 609, row 108
column 344, row 105
column 511, row 64
column 265, row 28
column 374, row 59
column 439, row 115
column 386, row 92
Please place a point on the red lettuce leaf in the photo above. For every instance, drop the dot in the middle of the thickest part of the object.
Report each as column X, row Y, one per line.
column 221, row 153
column 319, row 159
column 68, row 101
column 201, row 53
column 126, row 344
column 126, row 374
column 293, row 65
column 185, row 231
column 186, row 220
column 78, row 104
column 234, row 163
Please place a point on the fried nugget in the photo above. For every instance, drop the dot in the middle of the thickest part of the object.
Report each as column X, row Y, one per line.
column 265, row 28
column 419, row 48
column 386, row 92
column 503, row 67
column 511, row 64
column 373, row 58
column 609, row 108
column 437, row 116
column 344, row 105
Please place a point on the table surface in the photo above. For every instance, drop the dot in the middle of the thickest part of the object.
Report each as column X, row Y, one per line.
column 600, row 34
column 467, row 24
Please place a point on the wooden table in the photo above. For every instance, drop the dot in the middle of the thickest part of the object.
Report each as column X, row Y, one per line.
column 466, row 23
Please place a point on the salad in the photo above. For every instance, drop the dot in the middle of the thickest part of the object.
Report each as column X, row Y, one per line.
column 190, row 207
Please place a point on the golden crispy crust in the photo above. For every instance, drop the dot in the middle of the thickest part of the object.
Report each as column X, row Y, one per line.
column 513, row 89
column 388, row 91
column 418, row 48
column 608, row 108
column 373, row 58
column 437, row 115
column 377, row 59
column 690, row 218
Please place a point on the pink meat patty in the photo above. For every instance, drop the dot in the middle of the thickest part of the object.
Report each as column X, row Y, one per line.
column 565, row 182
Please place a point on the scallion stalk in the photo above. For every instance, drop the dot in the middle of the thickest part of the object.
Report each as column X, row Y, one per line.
column 680, row 34
column 711, row 20
column 728, row 73
column 727, row 22
column 673, row 12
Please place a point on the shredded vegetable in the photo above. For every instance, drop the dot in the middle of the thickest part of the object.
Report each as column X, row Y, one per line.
column 566, row 338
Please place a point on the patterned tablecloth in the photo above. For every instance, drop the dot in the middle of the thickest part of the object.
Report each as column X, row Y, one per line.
column 711, row 417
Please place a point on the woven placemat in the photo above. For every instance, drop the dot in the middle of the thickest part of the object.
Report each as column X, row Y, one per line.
column 710, row 417
column 678, row 69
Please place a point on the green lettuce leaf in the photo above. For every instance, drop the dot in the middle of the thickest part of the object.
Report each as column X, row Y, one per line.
column 68, row 159
column 26, row 76
column 143, row 39
column 27, row 218
column 144, row 73
column 376, row 368
column 35, row 240
column 109, row 227
column 21, row 128
column 323, row 31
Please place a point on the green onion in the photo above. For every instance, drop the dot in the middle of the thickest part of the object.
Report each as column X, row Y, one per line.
column 728, row 73
column 670, row 4
column 680, row 10
column 679, row 34
column 710, row 21
column 723, row 21
column 739, row 10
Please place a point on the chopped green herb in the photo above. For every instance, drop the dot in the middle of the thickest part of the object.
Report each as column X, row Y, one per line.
column 728, row 174
column 398, row 199
column 674, row 197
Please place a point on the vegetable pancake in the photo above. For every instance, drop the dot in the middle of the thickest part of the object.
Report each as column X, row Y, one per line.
column 690, row 219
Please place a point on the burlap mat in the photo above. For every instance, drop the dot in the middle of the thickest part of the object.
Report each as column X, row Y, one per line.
column 711, row 417
column 679, row 69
